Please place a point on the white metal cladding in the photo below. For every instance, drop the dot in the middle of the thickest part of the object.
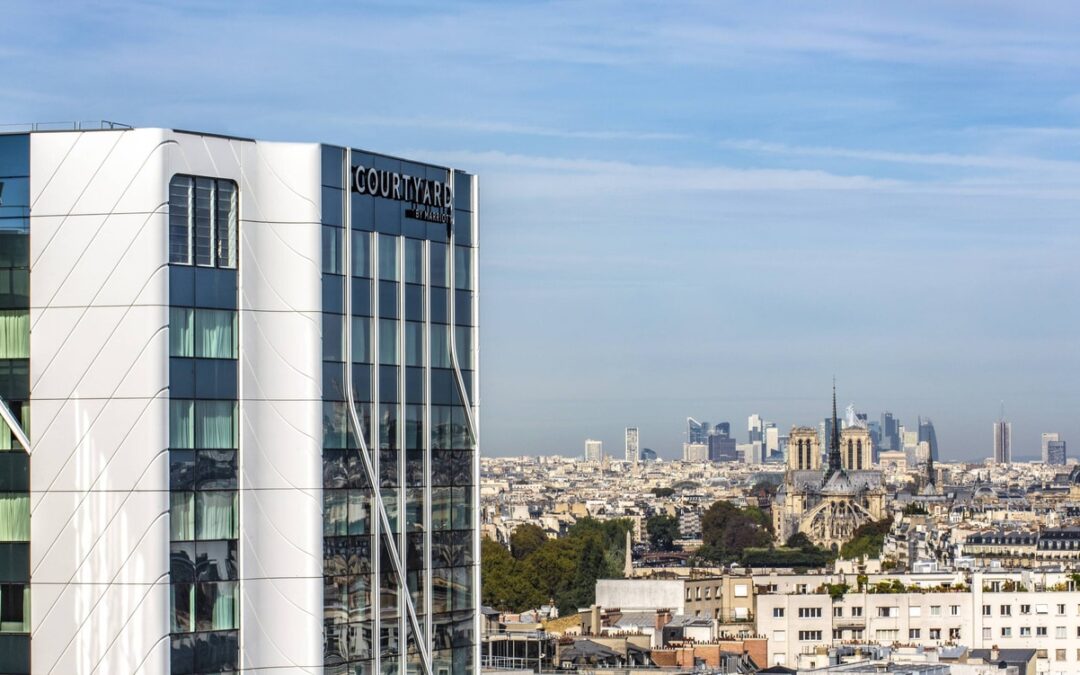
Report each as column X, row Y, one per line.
column 99, row 375
column 99, row 378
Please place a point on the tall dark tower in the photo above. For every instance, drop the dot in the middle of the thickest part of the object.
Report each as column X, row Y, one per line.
column 930, row 479
column 834, row 442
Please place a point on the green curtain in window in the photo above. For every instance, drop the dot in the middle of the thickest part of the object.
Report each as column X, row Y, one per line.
column 182, row 516
column 180, row 332
column 7, row 441
column 223, row 615
column 216, row 330
column 215, row 425
column 14, row 334
column 215, row 516
column 14, row 516
column 181, row 424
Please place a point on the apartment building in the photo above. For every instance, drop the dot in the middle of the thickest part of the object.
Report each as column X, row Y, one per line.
column 1008, row 610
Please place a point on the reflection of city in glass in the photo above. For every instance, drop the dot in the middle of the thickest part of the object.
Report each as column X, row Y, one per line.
column 254, row 400
column 15, row 391
column 399, row 312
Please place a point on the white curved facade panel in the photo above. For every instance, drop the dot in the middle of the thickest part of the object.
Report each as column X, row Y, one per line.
column 98, row 374
column 281, row 409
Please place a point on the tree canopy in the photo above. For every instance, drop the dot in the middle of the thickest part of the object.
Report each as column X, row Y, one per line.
column 525, row 539
column 562, row 570
column 727, row 530
column 867, row 541
column 662, row 531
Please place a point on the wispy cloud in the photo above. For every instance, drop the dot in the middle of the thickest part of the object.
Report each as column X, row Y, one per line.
column 1010, row 163
column 585, row 174
column 508, row 128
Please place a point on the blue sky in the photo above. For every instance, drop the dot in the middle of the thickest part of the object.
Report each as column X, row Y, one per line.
column 702, row 209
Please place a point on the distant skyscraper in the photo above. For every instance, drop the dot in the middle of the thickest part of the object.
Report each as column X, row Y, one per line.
column 927, row 434
column 1055, row 453
column 648, row 455
column 695, row 452
column 1047, row 439
column 756, row 427
column 909, row 443
column 772, row 441
column 594, row 450
column 890, row 432
column 825, row 431
column 875, row 437
column 696, row 432
column 632, row 447
column 722, row 429
column 722, row 448
column 1002, row 442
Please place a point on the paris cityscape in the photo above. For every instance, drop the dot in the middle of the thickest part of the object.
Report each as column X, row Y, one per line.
column 403, row 337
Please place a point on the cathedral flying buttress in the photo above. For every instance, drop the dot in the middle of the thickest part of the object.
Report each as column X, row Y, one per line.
column 829, row 503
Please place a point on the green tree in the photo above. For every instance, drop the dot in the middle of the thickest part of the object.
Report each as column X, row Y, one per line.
column 867, row 541
column 800, row 541
column 525, row 539
column 663, row 491
column 591, row 567
column 662, row 531
column 727, row 531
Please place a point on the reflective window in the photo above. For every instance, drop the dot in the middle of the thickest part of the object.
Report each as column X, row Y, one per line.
column 215, row 334
column 462, row 267
column 203, row 222
column 388, row 257
column 388, row 342
column 361, row 340
column 414, row 343
column 14, row 608
column 414, row 261
column 440, row 271
column 215, row 424
column 361, row 254
column 332, row 254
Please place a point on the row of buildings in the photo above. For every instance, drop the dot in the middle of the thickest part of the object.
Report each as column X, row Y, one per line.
column 765, row 443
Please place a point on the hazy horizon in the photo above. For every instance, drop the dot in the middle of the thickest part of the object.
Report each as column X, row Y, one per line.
column 700, row 209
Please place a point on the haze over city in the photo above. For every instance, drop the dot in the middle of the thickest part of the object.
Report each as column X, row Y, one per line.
column 706, row 213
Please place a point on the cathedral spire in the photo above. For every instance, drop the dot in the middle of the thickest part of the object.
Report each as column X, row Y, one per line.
column 834, row 442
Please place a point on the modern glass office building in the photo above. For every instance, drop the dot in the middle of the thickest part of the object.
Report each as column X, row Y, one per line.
column 252, row 373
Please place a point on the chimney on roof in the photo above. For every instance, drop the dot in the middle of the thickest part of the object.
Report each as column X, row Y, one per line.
column 663, row 618
column 995, row 653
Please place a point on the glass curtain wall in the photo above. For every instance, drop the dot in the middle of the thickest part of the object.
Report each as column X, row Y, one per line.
column 15, row 390
column 414, row 421
column 203, row 426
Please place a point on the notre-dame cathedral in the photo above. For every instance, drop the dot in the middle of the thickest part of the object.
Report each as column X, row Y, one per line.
column 829, row 504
